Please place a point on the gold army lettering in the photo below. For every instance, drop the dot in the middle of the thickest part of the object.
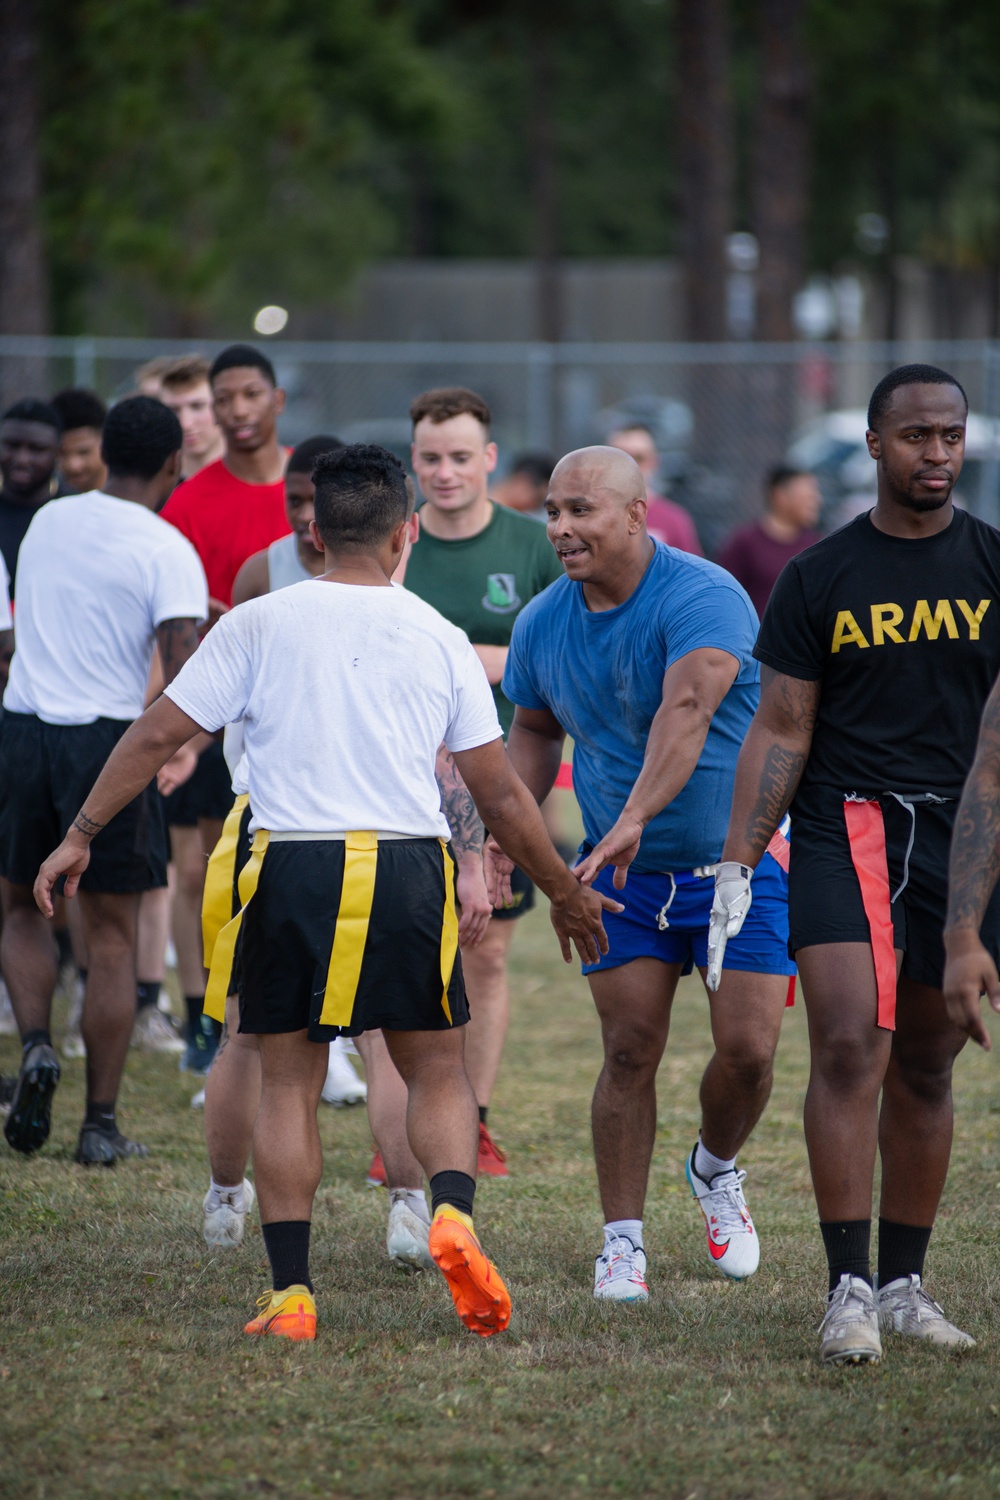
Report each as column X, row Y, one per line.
column 886, row 620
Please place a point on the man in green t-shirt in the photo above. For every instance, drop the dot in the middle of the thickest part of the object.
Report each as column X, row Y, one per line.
column 478, row 564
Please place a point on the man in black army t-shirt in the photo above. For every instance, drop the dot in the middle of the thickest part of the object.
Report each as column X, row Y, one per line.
column 878, row 649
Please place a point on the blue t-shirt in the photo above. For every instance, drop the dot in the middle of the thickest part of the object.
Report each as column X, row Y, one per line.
column 601, row 675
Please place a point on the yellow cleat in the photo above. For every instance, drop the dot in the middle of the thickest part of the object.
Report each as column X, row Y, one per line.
column 481, row 1299
column 289, row 1314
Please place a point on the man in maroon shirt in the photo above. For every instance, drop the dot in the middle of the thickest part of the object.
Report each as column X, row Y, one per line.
column 665, row 519
column 756, row 554
column 229, row 510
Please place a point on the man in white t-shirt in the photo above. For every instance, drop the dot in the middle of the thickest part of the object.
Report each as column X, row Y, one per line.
column 347, row 686
column 101, row 579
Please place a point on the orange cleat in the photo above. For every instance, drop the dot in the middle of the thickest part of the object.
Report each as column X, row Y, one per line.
column 376, row 1172
column 289, row 1314
column 481, row 1299
column 492, row 1161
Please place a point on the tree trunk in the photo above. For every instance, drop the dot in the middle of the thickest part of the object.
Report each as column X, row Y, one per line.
column 781, row 164
column 24, row 303
column 705, row 160
column 545, row 184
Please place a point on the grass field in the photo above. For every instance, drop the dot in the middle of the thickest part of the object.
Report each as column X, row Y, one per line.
column 124, row 1371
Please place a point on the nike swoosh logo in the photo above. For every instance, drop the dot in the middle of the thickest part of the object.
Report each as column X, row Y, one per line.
column 716, row 1251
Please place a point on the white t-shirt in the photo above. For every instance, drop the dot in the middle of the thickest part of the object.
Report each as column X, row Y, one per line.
column 6, row 618
column 346, row 692
column 95, row 576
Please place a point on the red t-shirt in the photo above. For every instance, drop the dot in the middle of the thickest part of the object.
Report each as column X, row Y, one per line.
column 226, row 520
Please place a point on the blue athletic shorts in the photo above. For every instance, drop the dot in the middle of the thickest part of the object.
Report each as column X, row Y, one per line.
column 684, row 902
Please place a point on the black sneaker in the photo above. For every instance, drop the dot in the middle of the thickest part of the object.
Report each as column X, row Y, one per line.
column 30, row 1117
column 103, row 1148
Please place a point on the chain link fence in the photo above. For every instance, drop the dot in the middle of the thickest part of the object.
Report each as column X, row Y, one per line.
column 722, row 414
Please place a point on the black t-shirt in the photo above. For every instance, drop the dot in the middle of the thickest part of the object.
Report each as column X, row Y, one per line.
column 14, row 522
column 904, row 637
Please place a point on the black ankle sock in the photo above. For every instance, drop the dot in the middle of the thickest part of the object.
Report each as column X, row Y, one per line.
column 210, row 1028
column 901, row 1250
column 147, row 993
column 484, row 1110
column 287, row 1246
column 64, row 944
column 101, row 1115
column 83, row 977
column 456, row 1188
column 195, row 1004
column 32, row 1038
column 848, row 1247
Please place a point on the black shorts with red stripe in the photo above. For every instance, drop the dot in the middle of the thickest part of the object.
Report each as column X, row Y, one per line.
column 825, row 903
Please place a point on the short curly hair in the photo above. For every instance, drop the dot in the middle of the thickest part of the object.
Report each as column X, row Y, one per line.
column 449, row 401
column 140, row 434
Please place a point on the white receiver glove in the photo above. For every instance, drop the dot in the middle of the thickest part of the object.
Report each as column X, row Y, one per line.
column 730, row 905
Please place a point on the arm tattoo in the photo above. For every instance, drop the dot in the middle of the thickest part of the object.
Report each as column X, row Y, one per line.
column 87, row 826
column 975, row 845
column 458, row 807
column 177, row 640
column 797, row 700
column 779, row 778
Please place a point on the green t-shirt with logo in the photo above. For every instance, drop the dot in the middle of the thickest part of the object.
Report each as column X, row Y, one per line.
column 481, row 583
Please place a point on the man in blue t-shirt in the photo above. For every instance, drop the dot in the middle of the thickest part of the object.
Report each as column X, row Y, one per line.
column 643, row 655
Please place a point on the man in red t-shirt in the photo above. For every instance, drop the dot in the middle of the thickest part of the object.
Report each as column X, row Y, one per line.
column 229, row 510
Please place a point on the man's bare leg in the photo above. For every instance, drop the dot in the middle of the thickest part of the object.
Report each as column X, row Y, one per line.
column 387, row 1105
column 633, row 1002
column 232, row 1098
column 486, row 982
column 746, row 1011
column 443, row 1127
column 849, row 1055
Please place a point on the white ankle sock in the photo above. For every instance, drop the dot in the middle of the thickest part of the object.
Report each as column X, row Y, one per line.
column 218, row 1191
column 709, row 1166
column 625, row 1229
column 415, row 1200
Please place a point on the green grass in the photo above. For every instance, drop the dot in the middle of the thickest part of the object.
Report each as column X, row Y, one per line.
column 124, row 1370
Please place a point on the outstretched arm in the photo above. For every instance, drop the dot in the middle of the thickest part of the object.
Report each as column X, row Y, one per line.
column 144, row 747
column 972, row 876
column 770, row 764
column 511, row 813
column 693, row 688
column 534, row 749
column 467, row 841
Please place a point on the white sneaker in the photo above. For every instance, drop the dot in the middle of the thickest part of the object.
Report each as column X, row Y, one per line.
column 8, row 1024
column 153, row 1032
column 904, row 1307
column 198, row 1100
column 342, row 1086
column 225, row 1214
column 849, row 1331
column 620, row 1273
column 732, row 1239
column 406, row 1236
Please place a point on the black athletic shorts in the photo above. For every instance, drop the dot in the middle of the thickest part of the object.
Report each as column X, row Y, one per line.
column 288, row 930
column 207, row 793
column 824, row 894
column 523, row 891
column 46, row 772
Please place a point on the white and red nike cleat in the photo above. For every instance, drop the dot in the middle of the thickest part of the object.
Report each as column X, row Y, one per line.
column 732, row 1239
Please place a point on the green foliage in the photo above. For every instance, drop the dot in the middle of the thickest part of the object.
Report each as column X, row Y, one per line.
column 214, row 155
column 203, row 156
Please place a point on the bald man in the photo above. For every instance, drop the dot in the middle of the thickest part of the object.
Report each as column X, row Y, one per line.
column 643, row 655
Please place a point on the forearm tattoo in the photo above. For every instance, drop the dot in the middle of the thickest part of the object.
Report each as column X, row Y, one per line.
column 458, row 807
column 87, row 826
column 177, row 640
column 975, row 845
column 779, row 777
